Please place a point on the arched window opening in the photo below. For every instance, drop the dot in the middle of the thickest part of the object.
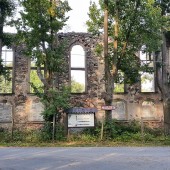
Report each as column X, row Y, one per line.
column 77, row 69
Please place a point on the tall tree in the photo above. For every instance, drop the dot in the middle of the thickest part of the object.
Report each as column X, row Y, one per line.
column 131, row 25
column 38, row 28
column 106, row 58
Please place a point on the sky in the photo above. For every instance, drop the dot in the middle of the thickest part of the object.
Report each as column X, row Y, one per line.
column 76, row 23
column 78, row 16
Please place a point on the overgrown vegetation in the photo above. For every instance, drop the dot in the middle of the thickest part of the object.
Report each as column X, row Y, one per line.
column 114, row 133
column 128, row 26
column 7, row 9
column 38, row 29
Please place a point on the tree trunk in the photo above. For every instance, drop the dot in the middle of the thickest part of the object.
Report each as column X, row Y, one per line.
column 115, row 42
column 108, row 96
column 54, row 125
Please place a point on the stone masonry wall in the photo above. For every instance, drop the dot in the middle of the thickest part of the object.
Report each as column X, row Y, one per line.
column 27, row 107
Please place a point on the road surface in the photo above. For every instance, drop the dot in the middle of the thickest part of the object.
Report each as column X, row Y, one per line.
column 85, row 158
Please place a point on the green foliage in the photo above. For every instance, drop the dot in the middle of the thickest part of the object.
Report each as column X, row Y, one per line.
column 119, row 83
column 164, row 5
column 5, row 85
column 5, row 80
column 55, row 101
column 82, row 137
column 37, row 28
column 114, row 131
column 119, row 88
column 5, row 136
column 45, row 132
column 60, row 134
column 7, row 8
column 46, row 135
column 124, row 132
column 8, row 39
column 2, row 68
column 35, row 82
column 139, row 23
column 77, row 87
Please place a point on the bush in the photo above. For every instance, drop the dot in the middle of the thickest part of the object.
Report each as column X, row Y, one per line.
column 47, row 130
column 123, row 131
column 112, row 131
column 60, row 135
column 5, row 136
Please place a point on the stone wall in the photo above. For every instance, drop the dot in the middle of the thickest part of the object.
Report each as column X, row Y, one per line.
column 27, row 107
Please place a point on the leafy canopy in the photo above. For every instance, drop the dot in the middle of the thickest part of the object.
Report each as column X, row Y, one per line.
column 38, row 30
column 38, row 27
column 139, row 24
column 7, row 9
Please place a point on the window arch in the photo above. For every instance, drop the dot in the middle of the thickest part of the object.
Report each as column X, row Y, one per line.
column 77, row 69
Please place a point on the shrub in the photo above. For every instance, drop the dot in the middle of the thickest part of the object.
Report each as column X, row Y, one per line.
column 47, row 130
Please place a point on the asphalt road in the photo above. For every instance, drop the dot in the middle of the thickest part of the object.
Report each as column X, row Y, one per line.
column 85, row 158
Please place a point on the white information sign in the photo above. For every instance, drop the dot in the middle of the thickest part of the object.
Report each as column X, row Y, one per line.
column 81, row 120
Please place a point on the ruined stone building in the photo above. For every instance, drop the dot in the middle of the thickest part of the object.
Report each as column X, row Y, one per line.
column 19, row 106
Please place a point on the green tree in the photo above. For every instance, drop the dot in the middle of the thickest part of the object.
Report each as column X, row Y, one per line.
column 131, row 25
column 7, row 8
column 38, row 28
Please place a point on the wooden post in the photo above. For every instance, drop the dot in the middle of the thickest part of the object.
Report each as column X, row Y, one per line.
column 12, row 123
column 54, row 123
column 102, row 129
column 142, row 129
column 101, row 137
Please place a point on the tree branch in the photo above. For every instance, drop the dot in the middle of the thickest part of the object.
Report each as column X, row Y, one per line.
column 130, row 28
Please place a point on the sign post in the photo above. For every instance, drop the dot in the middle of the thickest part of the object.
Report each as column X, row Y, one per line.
column 108, row 107
column 81, row 117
